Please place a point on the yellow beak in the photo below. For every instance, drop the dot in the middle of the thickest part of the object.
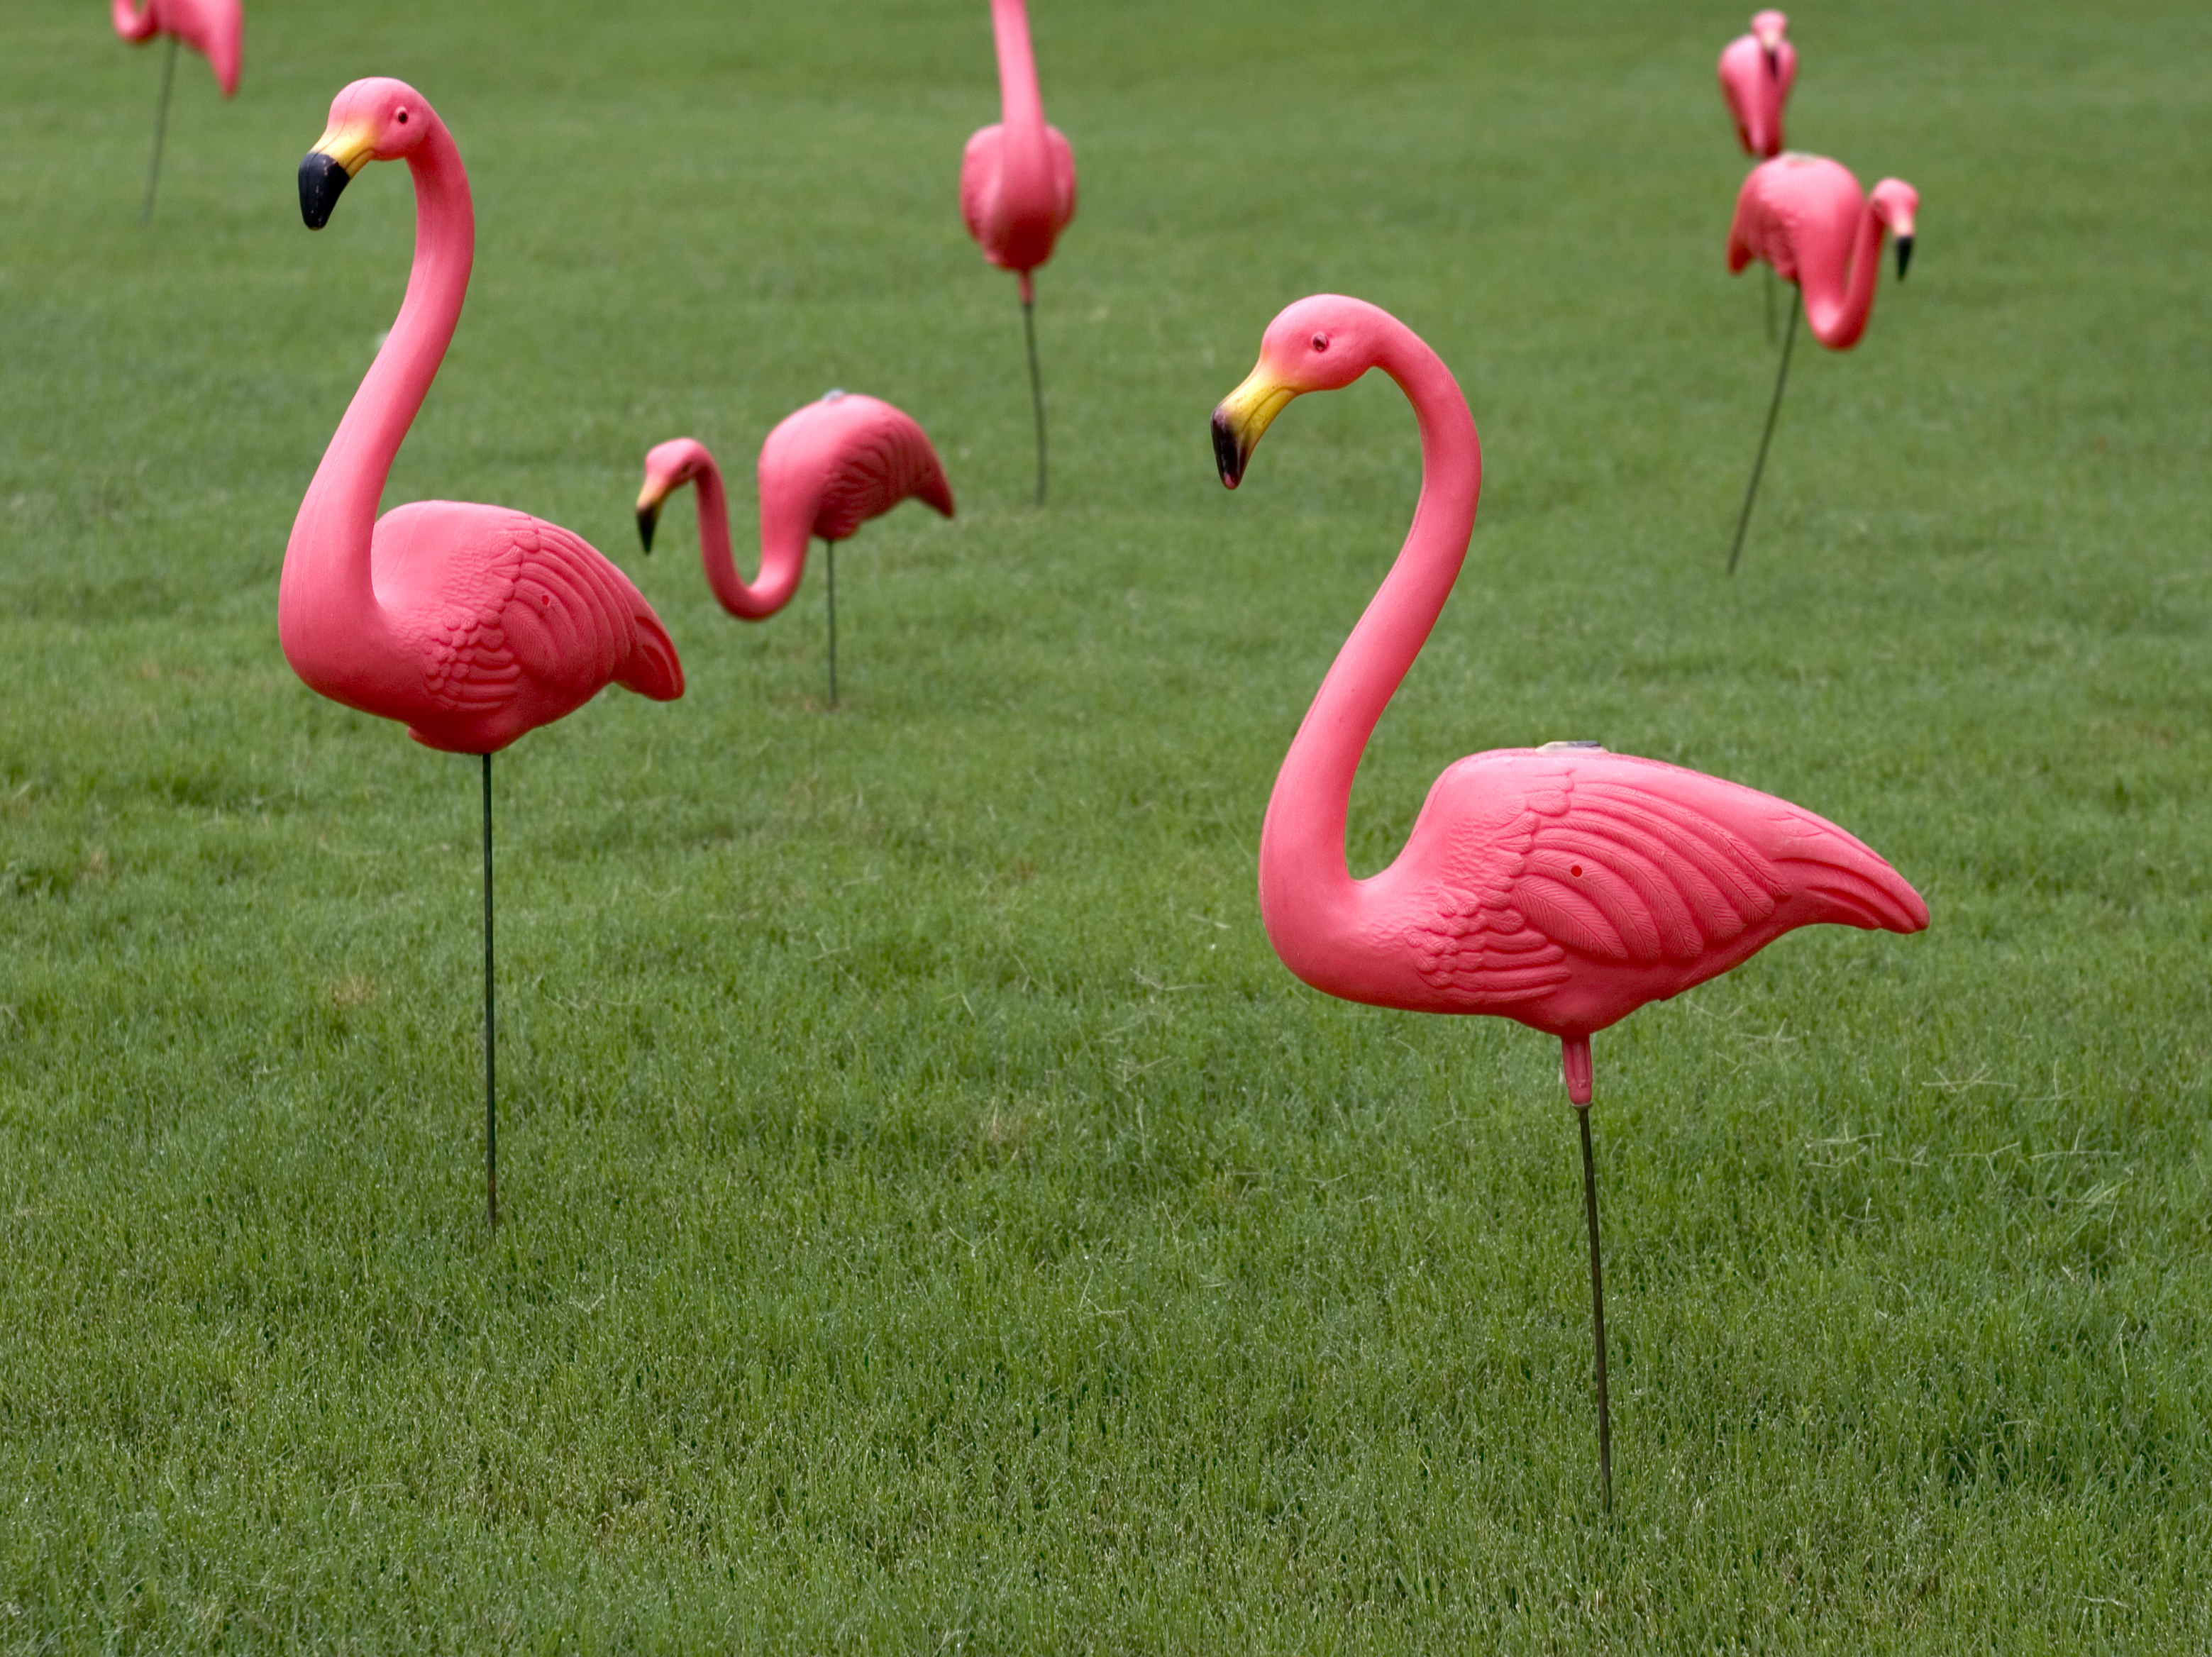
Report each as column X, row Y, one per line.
column 326, row 170
column 1242, row 419
column 350, row 146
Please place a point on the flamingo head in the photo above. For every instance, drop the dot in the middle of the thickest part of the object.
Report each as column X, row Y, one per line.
column 1318, row 344
column 668, row 467
column 1895, row 202
column 1767, row 27
column 377, row 120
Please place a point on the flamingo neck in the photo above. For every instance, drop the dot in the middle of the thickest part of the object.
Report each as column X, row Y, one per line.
column 1838, row 302
column 783, row 552
column 130, row 23
column 1308, row 898
column 1021, row 105
column 327, row 592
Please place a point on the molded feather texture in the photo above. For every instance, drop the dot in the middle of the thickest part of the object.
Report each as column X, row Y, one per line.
column 515, row 622
column 832, row 465
column 1564, row 893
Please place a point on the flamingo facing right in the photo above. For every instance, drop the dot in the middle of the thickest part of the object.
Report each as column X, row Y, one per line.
column 1803, row 217
column 1562, row 886
column 1017, row 184
column 215, row 28
column 824, row 471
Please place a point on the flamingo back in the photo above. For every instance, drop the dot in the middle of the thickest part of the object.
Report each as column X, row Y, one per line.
column 515, row 622
column 843, row 460
column 1015, row 235
column 1794, row 210
column 1566, row 890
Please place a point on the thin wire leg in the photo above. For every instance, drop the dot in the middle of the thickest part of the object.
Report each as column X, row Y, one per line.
column 161, row 127
column 831, row 547
column 1036, row 386
column 491, row 1091
column 1774, row 408
column 1597, row 1315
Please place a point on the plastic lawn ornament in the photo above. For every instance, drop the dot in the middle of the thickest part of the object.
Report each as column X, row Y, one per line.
column 1757, row 71
column 1017, row 185
column 824, row 471
column 470, row 624
column 1804, row 216
column 214, row 28
column 1564, row 886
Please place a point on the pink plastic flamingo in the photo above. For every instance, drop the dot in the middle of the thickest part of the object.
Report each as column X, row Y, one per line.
column 824, row 471
column 1757, row 71
column 1562, row 887
column 1803, row 217
column 1017, row 184
column 470, row 624
column 215, row 28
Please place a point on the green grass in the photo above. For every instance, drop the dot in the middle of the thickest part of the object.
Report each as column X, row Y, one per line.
column 935, row 1220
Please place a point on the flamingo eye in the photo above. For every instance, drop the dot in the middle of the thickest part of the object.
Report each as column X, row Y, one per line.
column 403, row 117
column 1320, row 341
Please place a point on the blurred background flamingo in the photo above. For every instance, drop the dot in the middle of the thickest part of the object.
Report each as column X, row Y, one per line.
column 1562, row 886
column 215, row 28
column 1803, row 217
column 1757, row 71
column 470, row 624
column 1017, row 185
column 824, row 471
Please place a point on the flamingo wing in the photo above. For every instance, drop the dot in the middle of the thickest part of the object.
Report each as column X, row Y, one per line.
column 979, row 172
column 882, row 456
column 1628, row 863
column 501, row 606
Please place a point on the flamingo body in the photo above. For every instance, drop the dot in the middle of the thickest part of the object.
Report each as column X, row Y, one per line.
column 824, row 471
column 1018, row 176
column 470, row 624
column 1757, row 71
column 1805, row 216
column 214, row 28
column 1562, row 886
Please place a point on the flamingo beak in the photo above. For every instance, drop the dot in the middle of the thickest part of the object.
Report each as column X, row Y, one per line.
column 1904, row 233
column 329, row 167
column 648, row 513
column 1243, row 417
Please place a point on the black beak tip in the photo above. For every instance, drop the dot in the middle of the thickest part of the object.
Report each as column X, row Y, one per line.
column 1228, row 453
column 322, row 181
column 1904, row 255
column 647, row 518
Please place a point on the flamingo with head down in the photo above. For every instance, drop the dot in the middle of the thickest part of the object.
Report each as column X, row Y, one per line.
column 1017, row 184
column 471, row 625
column 824, row 471
column 1804, row 218
column 214, row 28
column 1562, row 886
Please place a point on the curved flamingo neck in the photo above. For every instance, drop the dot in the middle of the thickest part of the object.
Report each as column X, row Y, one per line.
column 1837, row 301
column 326, row 601
column 783, row 551
column 1308, row 898
column 130, row 23
column 1024, row 159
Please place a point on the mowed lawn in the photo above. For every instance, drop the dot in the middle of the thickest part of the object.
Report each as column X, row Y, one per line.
column 934, row 1220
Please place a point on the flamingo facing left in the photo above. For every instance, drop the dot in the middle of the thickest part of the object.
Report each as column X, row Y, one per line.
column 1562, row 886
column 471, row 625
column 824, row 471
column 214, row 28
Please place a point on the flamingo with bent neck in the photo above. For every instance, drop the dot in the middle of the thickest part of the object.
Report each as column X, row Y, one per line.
column 1803, row 217
column 824, row 471
column 1562, row 886
column 214, row 28
column 1017, row 184
column 470, row 624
